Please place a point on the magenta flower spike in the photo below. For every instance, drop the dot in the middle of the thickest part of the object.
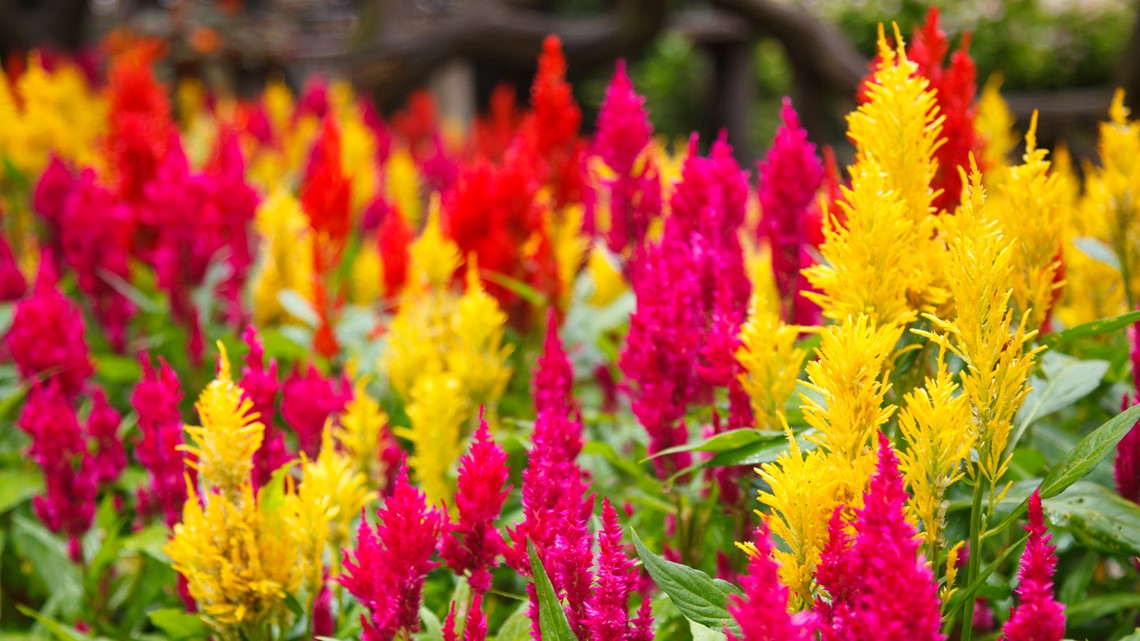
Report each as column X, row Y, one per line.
column 474, row 544
column 308, row 401
column 156, row 399
column 1126, row 467
column 623, row 124
column 868, row 602
column 762, row 612
column 386, row 570
column 259, row 382
column 1037, row 615
column 103, row 429
column 608, row 607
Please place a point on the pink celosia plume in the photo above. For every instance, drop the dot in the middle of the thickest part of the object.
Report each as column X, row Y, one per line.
column 1037, row 616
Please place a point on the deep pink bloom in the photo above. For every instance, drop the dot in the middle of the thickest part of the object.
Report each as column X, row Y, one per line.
column 552, row 388
column 880, row 587
column 607, row 610
column 103, row 428
column 12, row 283
column 386, row 570
column 51, row 192
column 1037, row 616
column 95, row 239
column 1126, row 468
column 259, row 382
column 473, row 544
column 59, row 447
column 310, row 400
column 1134, row 355
column 234, row 202
column 324, row 623
column 642, row 625
column 790, row 177
column 46, row 337
column 475, row 629
column 762, row 612
column 623, row 124
column 156, row 399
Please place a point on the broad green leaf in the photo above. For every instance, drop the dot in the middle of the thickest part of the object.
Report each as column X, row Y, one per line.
column 1098, row 518
column 1091, row 608
column 696, row 595
column 1089, row 452
column 294, row 605
column 1135, row 636
column 47, row 556
column 1066, row 381
column 701, row 633
column 17, row 486
column 761, row 452
column 723, row 442
column 432, row 627
column 179, row 625
column 299, row 308
column 137, row 297
column 517, row 626
column 58, row 630
column 1094, row 328
column 149, row 541
column 551, row 617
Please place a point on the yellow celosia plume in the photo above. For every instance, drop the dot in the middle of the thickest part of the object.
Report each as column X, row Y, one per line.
column 771, row 363
column 361, row 426
column 438, row 411
column 286, row 260
column 994, row 125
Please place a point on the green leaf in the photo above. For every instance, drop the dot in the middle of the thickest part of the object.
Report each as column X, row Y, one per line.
column 272, row 494
column 432, row 628
column 723, row 442
column 1097, row 518
column 7, row 315
column 1089, row 452
column 57, row 629
column 1067, row 380
column 179, row 625
column 1094, row 328
column 149, row 541
column 696, row 595
column 1091, row 608
column 47, row 556
column 294, row 605
column 1135, row 636
column 551, row 617
column 701, row 633
column 516, row 287
column 517, row 626
column 761, row 452
column 17, row 486
column 299, row 308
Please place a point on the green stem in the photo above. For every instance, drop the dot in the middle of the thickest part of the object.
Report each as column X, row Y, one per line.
column 975, row 560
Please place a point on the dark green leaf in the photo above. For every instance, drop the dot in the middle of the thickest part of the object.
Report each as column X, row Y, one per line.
column 1097, row 518
column 179, row 625
column 723, row 442
column 517, row 287
column 761, row 452
column 1094, row 328
column 695, row 594
column 1091, row 608
column 47, row 556
column 1066, row 381
column 57, row 629
column 1088, row 453
column 294, row 605
column 551, row 617
column 17, row 486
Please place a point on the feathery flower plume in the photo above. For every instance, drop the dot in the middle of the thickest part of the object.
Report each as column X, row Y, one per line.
column 762, row 611
column 1126, row 467
column 307, row 402
column 994, row 125
column 607, row 611
column 46, row 336
column 1037, row 615
column 866, row 602
column 59, row 447
column 438, row 411
column 286, row 256
column 790, row 177
column 364, row 435
column 473, row 544
column 771, row 364
column 259, row 384
column 386, row 570
column 110, row 459
column 12, row 283
column 156, row 399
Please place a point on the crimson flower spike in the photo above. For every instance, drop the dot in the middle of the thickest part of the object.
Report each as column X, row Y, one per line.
column 1037, row 615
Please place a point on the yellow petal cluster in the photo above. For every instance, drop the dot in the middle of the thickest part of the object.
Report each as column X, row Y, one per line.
column 994, row 124
column 997, row 354
column 286, row 261
column 359, row 431
column 438, row 412
column 771, row 363
column 230, row 433
column 1029, row 206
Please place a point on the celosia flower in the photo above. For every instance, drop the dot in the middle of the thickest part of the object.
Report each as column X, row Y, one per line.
column 994, row 125
column 325, row 193
column 623, row 124
column 12, row 284
column 239, row 561
column 102, row 427
column 307, row 402
column 394, row 236
column 332, row 475
column 492, row 134
column 139, row 126
column 156, row 399
column 1126, row 467
column 437, row 410
column 230, row 433
column 607, row 611
column 386, row 570
column 235, row 204
column 790, row 176
column 363, row 433
column 59, row 447
column 865, row 601
column 286, row 256
column 46, row 336
column 51, row 192
column 473, row 544
column 1037, row 615
column 771, row 364
column 762, row 611
column 553, row 383
column 259, row 384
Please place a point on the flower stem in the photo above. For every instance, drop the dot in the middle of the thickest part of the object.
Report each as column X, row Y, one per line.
column 975, row 559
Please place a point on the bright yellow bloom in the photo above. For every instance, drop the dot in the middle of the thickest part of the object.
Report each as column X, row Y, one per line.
column 949, row 588
column 1112, row 206
column 240, row 561
column 358, row 156
column 403, row 185
column 308, row 512
column 994, row 124
column 935, row 422
column 438, row 411
column 997, row 362
column 605, row 275
column 801, row 498
column 899, row 127
column 478, row 358
column 230, row 434
column 771, row 363
column 361, row 426
column 278, row 101
column 286, row 257
column 569, row 247
column 1030, row 209
column 367, row 272
column 433, row 257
